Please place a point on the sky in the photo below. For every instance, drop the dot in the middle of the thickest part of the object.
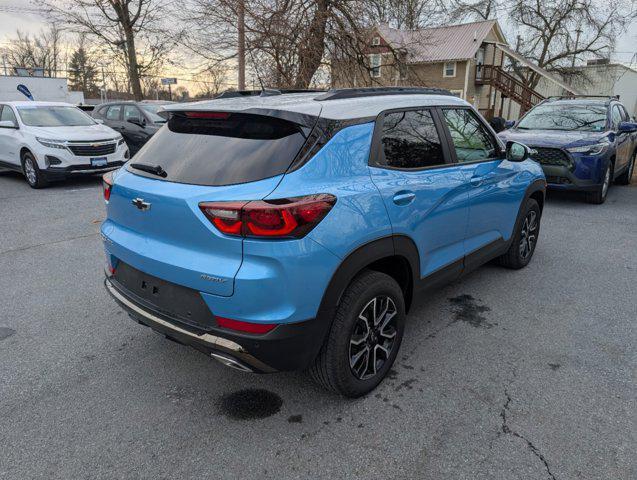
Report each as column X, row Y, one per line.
column 15, row 14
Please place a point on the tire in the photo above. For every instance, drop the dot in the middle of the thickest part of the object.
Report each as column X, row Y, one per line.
column 340, row 364
column 525, row 238
column 624, row 178
column 599, row 195
column 31, row 172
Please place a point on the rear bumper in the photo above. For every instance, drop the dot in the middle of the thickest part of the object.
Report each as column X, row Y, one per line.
column 288, row 347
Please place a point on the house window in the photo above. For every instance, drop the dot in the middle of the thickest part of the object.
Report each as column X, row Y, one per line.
column 376, row 41
column 449, row 69
column 374, row 65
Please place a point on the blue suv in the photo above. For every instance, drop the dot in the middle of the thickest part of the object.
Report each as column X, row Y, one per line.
column 294, row 230
column 582, row 143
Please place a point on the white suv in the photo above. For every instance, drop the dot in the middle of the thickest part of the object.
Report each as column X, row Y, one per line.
column 51, row 141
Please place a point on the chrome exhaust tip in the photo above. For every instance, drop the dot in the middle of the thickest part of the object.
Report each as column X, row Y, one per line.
column 231, row 362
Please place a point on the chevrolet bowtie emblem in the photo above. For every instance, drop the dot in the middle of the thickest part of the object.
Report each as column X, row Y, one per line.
column 141, row 204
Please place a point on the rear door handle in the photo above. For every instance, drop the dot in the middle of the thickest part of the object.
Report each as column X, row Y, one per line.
column 404, row 197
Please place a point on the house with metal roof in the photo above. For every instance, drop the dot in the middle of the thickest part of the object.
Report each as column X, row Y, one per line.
column 468, row 59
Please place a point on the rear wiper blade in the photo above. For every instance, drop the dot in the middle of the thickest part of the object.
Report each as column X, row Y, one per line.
column 154, row 169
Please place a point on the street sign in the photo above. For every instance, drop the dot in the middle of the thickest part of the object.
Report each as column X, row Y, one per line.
column 169, row 81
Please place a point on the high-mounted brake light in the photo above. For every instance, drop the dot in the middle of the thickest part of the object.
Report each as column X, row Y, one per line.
column 247, row 327
column 107, row 184
column 209, row 115
column 283, row 218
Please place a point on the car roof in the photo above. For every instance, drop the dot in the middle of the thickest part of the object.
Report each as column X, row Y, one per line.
column 601, row 102
column 308, row 104
column 31, row 103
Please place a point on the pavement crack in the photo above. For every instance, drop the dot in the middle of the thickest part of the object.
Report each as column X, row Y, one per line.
column 507, row 430
column 27, row 247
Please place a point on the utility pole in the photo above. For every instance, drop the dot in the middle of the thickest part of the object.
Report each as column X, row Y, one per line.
column 104, row 83
column 241, row 48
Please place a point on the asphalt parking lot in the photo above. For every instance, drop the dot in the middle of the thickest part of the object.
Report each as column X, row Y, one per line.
column 503, row 375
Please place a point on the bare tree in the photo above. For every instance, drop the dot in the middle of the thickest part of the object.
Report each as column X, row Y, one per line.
column 135, row 31
column 404, row 14
column 211, row 81
column 287, row 41
column 43, row 50
column 473, row 9
column 554, row 33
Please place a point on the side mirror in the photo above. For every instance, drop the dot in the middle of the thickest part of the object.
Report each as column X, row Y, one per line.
column 137, row 121
column 509, row 124
column 517, row 152
column 627, row 127
column 8, row 124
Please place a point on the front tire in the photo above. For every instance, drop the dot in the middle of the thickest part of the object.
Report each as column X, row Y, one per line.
column 625, row 178
column 525, row 238
column 364, row 338
column 598, row 196
column 31, row 172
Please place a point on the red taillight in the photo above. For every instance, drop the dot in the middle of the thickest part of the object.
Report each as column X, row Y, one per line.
column 107, row 183
column 284, row 218
column 247, row 327
column 209, row 115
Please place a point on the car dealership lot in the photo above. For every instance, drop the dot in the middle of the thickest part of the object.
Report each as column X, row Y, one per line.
column 503, row 375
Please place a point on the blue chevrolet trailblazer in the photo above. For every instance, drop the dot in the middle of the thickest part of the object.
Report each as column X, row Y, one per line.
column 583, row 143
column 288, row 231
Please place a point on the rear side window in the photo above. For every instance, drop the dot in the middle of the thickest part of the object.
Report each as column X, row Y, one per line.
column 410, row 140
column 219, row 148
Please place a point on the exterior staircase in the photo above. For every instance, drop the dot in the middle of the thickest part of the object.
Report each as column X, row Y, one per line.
column 508, row 85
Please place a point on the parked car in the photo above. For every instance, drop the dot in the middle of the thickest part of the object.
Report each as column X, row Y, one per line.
column 49, row 141
column 136, row 121
column 294, row 231
column 582, row 143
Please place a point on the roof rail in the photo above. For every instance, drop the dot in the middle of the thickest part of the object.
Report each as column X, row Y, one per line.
column 265, row 92
column 340, row 93
column 566, row 97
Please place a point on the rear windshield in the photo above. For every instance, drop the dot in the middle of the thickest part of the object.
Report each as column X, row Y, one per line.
column 218, row 148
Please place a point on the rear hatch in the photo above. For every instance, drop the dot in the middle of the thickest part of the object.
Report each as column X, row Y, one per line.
column 154, row 223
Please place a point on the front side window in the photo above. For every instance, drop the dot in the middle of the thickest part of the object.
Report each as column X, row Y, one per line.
column 113, row 112
column 449, row 69
column 616, row 117
column 54, row 116
column 7, row 114
column 470, row 137
column 374, row 64
column 582, row 117
column 410, row 140
column 151, row 113
column 131, row 111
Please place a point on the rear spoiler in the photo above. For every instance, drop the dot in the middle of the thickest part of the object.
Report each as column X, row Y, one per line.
column 304, row 120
